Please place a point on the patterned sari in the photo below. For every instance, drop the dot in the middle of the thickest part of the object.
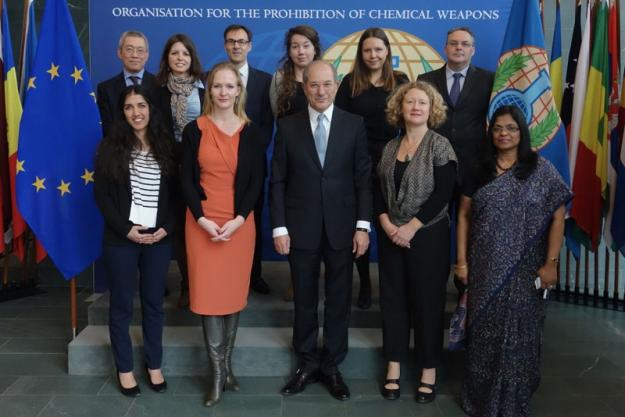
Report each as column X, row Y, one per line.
column 507, row 245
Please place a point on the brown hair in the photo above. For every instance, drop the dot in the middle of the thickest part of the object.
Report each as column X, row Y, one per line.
column 360, row 72
column 195, row 70
column 288, row 86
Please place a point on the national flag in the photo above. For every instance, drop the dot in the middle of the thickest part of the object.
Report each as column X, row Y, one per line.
column 522, row 79
column 29, row 46
column 571, row 67
column 614, row 59
column 9, row 130
column 591, row 167
column 59, row 134
column 618, row 219
column 555, row 67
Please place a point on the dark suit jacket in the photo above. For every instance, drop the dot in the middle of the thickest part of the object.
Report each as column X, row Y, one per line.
column 465, row 126
column 306, row 198
column 248, row 178
column 114, row 197
column 257, row 107
column 108, row 97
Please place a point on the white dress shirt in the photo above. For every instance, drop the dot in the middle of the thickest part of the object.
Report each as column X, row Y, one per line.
column 450, row 77
column 244, row 72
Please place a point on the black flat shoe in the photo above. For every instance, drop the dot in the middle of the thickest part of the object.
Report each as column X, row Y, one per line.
column 390, row 393
column 426, row 397
column 128, row 392
column 260, row 286
column 364, row 298
column 162, row 387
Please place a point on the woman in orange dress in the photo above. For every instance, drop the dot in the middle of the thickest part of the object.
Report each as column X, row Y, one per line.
column 221, row 174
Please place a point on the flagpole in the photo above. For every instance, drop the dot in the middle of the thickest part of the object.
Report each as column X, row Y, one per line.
column 5, row 272
column 23, row 44
column 72, row 287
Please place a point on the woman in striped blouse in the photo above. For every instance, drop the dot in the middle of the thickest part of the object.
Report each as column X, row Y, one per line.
column 134, row 167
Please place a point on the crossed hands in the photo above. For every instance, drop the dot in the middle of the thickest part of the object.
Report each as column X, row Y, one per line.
column 223, row 233
column 145, row 238
column 400, row 235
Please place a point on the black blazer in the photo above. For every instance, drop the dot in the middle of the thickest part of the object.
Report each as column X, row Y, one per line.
column 257, row 107
column 465, row 126
column 249, row 173
column 113, row 198
column 306, row 198
column 162, row 99
column 108, row 97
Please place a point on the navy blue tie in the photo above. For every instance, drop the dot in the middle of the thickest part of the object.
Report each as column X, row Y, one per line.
column 454, row 93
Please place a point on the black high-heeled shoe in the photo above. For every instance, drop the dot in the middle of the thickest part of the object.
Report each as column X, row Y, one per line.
column 162, row 387
column 426, row 397
column 128, row 392
column 390, row 393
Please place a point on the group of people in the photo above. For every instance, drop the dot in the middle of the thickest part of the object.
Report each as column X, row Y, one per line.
column 182, row 167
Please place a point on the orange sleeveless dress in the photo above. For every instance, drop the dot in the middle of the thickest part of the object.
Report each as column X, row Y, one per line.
column 219, row 272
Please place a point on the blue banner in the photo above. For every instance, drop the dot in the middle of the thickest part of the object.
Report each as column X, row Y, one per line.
column 417, row 29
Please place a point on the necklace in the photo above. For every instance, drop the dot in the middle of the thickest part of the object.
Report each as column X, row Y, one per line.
column 410, row 150
column 505, row 169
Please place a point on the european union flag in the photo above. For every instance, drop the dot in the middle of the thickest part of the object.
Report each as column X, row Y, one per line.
column 59, row 132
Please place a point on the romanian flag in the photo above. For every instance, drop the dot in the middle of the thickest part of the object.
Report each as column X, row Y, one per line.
column 614, row 57
column 555, row 67
column 522, row 79
column 11, row 117
column 591, row 168
column 59, row 133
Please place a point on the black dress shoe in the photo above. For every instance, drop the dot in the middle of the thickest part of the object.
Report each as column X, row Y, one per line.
column 390, row 393
column 298, row 382
column 336, row 386
column 260, row 286
column 426, row 397
column 128, row 392
column 162, row 387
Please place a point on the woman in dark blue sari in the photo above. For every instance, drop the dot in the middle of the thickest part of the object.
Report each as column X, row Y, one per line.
column 510, row 228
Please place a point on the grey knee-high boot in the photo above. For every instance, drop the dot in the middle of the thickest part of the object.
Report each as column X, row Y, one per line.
column 231, row 324
column 214, row 337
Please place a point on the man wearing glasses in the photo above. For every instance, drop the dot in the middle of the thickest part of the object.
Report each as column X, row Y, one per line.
column 133, row 52
column 238, row 44
column 466, row 90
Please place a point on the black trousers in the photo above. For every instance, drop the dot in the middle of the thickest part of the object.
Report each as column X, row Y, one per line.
column 258, row 246
column 122, row 263
column 412, row 292
column 305, row 269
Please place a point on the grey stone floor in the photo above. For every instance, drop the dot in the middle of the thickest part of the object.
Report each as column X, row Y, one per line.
column 583, row 374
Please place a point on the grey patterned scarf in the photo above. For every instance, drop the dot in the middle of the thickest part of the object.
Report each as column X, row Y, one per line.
column 180, row 88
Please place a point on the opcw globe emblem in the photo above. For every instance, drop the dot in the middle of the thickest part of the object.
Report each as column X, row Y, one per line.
column 522, row 79
column 410, row 54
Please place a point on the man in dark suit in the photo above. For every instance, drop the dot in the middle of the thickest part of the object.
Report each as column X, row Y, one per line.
column 133, row 51
column 238, row 44
column 466, row 90
column 320, row 210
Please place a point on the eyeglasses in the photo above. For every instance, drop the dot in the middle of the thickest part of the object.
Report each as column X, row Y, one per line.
column 509, row 129
column 240, row 42
column 455, row 44
column 131, row 50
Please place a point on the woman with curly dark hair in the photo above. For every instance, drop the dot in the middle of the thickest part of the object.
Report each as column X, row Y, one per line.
column 286, row 93
column 134, row 168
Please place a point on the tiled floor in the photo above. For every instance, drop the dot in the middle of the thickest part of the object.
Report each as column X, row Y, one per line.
column 583, row 374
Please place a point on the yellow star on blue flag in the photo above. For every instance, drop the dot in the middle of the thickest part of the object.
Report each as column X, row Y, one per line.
column 60, row 109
